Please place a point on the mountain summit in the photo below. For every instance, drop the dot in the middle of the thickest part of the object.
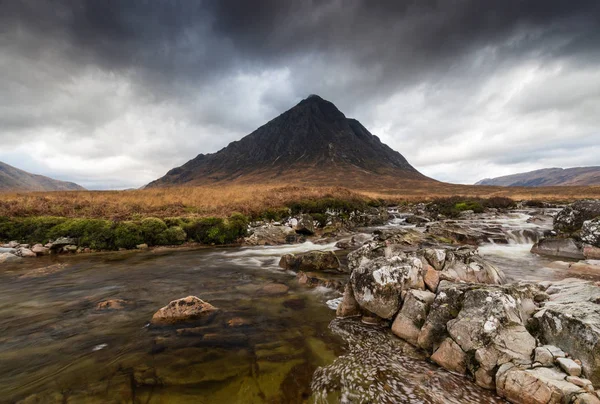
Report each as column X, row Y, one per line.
column 312, row 142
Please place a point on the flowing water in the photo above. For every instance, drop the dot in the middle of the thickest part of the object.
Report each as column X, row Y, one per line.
column 55, row 346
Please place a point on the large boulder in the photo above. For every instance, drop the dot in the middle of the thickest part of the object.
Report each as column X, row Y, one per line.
column 490, row 329
column 311, row 261
column 559, row 247
column 378, row 283
column 570, row 319
column 365, row 253
column 590, row 232
column 188, row 309
column 271, row 235
column 571, row 218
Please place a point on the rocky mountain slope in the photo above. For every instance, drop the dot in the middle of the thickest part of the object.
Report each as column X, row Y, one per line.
column 311, row 143
column 13, row 179
column 548, row 177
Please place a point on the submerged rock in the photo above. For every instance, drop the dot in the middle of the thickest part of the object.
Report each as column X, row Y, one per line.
column 8, row 257
column 187, row 309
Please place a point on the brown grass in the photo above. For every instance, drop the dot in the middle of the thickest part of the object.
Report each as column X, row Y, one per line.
column 247, row 199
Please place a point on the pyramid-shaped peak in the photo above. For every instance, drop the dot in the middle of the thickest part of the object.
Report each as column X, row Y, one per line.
column 312, row 138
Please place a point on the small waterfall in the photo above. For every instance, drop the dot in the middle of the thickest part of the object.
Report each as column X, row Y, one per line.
column 523, row 236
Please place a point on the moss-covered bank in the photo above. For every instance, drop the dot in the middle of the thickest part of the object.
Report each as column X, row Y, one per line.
column 102, row 234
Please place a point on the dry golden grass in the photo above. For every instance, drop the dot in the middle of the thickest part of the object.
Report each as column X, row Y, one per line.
column 248, row 199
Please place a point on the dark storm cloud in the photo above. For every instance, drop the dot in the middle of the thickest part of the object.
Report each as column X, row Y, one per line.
column 175, row 77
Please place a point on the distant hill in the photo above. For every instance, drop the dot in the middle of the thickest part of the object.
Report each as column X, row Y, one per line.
column 13, row 179
column 312, row 143
column 548, row 177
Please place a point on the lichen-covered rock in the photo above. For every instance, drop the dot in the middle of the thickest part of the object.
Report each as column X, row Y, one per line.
column 306, row 225
column 365, row 253
column 571, row 218
column 590, row 232
column 445, row 307
column 570, row 319
column 411, row 317
column 311, row 261
column 559, row 247
column 378, row 283
column 490, row 328
column 188, row 309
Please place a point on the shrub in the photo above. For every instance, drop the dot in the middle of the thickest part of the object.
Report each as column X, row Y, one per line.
column 218, row 231
column 499, row 202
column 535, row 203
column 275, row 214
column 128, row 235
column 152, row 229
column 173, row 236
column 320, row 218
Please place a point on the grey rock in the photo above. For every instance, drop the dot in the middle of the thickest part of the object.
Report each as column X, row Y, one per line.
column 411, row 317
column 559, row 247
column 5, row 250
column 305, row 225
column 544, row 356
column 571, row 321
column 26, row 253
column 569, row 366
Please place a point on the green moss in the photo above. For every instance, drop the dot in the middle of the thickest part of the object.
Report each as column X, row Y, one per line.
column 94, row 233
column 128, row 235
column 214, row 230
column 152, row 229
column 29, row 229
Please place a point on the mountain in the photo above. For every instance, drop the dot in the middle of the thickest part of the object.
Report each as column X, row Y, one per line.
column 548, row 177
column 312, row 143
column 13, row 179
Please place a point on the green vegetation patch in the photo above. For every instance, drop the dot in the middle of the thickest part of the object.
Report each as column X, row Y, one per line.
column 453, row 206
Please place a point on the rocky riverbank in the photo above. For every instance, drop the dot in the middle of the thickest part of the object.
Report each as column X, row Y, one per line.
column 529, row 342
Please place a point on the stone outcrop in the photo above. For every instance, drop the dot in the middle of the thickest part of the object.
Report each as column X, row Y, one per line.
column 311, row 261
column 531, row 343
column 571, row 218
column 187, row 309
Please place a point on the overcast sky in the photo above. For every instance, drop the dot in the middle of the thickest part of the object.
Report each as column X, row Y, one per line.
column 112, row 94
